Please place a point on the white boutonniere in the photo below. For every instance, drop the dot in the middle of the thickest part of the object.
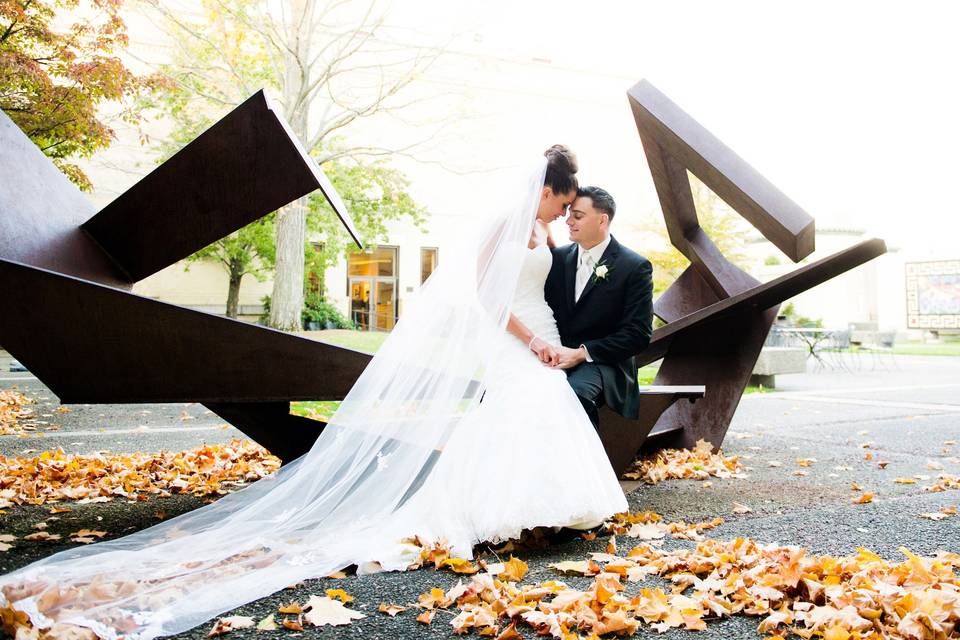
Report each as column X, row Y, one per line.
column 600, row 273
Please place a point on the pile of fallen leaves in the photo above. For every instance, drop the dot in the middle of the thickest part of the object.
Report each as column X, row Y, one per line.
column 698, row 463
column 847, row 598
column 647, row 525
column 13, row 408
column 206, row 470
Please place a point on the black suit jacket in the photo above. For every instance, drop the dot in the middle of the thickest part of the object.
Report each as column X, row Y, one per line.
column 613, row 318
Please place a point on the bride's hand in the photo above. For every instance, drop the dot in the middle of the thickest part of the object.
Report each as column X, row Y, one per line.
column 547, row 354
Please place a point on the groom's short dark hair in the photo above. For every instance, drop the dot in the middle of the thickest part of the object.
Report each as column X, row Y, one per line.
column 602, row 200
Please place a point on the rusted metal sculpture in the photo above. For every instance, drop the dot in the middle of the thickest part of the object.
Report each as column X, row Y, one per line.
column 717, row 316
column 66, row 271
column 69, row 316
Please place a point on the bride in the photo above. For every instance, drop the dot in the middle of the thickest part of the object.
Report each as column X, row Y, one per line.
column 459, row 429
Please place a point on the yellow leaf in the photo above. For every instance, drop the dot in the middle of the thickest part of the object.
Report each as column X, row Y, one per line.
column 836, row 632
column 426, row 617
column 339, row 594
column 514, row 570
column 904, row 481
column 460, row 565
column 863, row 499
column 293, row 607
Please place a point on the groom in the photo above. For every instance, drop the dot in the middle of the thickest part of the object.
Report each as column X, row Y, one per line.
column 601, row 295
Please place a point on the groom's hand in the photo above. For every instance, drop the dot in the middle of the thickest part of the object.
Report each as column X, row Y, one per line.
column 569, row 358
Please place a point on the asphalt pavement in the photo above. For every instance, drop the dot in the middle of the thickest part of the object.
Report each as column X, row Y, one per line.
column 900, row 410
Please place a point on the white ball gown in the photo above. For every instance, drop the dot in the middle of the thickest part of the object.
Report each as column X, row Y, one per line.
column 454, row 430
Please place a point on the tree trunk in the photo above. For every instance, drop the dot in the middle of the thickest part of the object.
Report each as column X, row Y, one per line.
column 233, row 293
column 286, row 301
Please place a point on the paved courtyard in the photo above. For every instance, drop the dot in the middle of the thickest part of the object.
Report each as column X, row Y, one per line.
column 901, row 410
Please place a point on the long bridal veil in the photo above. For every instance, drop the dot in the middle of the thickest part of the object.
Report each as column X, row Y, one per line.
column 327, row 509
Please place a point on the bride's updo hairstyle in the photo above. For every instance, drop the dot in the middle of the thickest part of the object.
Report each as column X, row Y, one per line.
column 561, row 169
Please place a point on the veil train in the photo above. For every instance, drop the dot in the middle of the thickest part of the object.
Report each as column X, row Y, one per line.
column 327, row 509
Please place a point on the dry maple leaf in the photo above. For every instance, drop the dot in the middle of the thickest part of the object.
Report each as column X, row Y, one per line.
column 391, row 609
column 510, row 633
column 514, row 570
column 805, row 462
column 935, row 516
column 572, row 566
column 426, row 617
column 88, row 533
column 225, row 625
column 292, row 607
column 42, row 536
column 864, row 498
column 321, row 610
column 741, row 508
column 267, row 624
column 459, row 565
column 294, row 624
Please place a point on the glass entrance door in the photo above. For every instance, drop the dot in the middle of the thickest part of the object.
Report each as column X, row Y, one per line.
column 375, row 312
column 385, row 303
column 360, row 302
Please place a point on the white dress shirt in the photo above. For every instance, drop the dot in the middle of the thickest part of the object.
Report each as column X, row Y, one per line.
column 587, row 260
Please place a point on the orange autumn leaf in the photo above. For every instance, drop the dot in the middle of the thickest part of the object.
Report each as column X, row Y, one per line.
column 514, row 570
column 293, row 607
column 391, row 609
column 426, row 617
column 459, row 565
column 864, row 498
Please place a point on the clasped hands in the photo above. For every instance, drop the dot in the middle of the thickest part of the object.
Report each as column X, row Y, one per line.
column 557, row 357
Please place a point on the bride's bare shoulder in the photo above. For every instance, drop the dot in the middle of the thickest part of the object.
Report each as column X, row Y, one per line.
column 540, row 235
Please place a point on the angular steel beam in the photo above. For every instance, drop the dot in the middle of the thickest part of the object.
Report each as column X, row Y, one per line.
column 244, row 166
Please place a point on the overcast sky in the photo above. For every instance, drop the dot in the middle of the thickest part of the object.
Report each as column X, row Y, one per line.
column 851, row 108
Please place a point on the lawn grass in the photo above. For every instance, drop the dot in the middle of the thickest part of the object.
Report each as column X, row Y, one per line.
column 927, row 349
column 367, row 341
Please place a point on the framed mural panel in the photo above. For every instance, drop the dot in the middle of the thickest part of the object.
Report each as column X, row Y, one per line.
column 933, row 294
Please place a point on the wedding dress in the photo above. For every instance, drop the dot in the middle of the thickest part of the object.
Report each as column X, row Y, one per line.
column 455, row 430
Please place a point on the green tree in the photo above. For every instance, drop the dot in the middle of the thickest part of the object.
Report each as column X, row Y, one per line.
column 54, row 79
column 725, row 227
column 219, row 61
column 326, row 66
column 247, row 251
column 375, row 194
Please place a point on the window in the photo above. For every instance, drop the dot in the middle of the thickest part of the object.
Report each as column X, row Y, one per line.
column 379, row 262
column 428, row 262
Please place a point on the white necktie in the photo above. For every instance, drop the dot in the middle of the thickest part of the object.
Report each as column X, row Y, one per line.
column 584, row 271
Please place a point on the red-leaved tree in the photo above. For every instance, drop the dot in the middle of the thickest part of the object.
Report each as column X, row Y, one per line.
column 58, row 65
